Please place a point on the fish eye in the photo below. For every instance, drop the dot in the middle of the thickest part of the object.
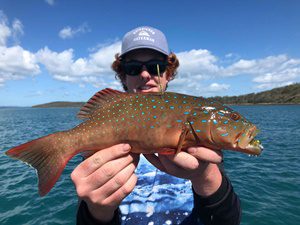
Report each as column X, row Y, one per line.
column 235, row 116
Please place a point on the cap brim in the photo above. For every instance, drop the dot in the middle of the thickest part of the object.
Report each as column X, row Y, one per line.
column 147, row 47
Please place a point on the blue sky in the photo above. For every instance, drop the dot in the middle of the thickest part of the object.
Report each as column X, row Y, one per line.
column 55, row 50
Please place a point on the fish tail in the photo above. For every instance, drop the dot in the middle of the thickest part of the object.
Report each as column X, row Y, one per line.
column 47, row 155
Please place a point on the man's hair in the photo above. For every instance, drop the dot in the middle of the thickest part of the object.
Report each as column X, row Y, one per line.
column 171, row 71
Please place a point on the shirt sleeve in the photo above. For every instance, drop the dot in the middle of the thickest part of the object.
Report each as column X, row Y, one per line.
column 84, row 216
column 221, row 208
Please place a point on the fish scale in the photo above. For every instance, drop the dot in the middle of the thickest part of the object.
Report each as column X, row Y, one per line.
column 164, row 123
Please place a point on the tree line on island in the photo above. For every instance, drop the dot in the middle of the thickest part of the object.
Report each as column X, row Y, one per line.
column 289, row 94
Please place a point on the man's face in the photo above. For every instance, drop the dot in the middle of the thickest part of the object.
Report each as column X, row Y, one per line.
column 145, row 81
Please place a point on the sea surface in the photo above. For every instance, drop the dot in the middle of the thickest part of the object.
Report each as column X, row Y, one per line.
column 268, row 185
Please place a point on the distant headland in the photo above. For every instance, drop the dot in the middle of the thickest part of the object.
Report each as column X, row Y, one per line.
column 289, row 94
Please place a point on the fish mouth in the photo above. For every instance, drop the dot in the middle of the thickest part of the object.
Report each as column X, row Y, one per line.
column 246, row 143
column 255, row 147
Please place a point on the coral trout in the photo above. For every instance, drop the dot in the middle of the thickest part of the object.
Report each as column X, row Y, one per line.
column 150, row 122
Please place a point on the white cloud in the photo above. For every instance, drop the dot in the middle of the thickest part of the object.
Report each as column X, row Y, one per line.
column 50, row 2
column 95, row 69
column 15, row 62
column 68, row 32
column 4, row 29
column 17, row 30
column 199, row 65
column 198, row 62
column 215, row 87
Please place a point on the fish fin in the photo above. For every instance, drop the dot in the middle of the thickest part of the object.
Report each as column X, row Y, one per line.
column 194, row 133
column 183, row 134
column 46, row 156
column 166, row 151
column 194, row 113
column 98, row 99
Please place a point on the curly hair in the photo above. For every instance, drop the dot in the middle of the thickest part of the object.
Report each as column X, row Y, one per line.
column 171, row 71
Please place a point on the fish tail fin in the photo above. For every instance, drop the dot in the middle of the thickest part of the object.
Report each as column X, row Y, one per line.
column 47, row 155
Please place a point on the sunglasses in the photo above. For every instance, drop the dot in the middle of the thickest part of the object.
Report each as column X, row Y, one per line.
column 134, row 68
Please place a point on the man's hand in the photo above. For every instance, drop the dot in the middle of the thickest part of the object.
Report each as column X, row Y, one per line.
column 105, row 179
column 198, row 164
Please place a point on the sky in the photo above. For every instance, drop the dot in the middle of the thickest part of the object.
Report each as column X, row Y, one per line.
column 59, row 50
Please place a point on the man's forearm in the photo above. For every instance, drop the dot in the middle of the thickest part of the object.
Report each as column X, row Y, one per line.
column 85, row 217
column 220, row 208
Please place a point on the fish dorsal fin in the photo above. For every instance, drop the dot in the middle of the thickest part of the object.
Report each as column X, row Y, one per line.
column 100, row 98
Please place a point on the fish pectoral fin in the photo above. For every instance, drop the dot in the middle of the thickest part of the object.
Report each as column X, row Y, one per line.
column 166, row 151
column 194, row 133
column 184, row 132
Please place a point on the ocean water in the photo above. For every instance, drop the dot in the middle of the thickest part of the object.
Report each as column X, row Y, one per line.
column 268, row 185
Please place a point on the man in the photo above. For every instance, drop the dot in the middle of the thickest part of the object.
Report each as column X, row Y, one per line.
column 103, row 180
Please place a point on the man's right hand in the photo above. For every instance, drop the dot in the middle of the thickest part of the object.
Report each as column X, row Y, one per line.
column 105, row 179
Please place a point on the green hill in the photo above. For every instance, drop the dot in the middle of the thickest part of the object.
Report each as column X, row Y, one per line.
column 284, row 95
column 59, row 104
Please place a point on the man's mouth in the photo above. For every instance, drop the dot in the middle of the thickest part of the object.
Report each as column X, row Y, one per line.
column 146, row 87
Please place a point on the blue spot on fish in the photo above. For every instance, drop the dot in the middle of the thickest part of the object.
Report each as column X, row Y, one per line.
column 198, row 131
column 151, row 126
column 154, row 107
column 215, row 122
column 224, row 135
column 171, row 107
column 194, row 114
column 179, row 121
column 154, row 117
column 225, row 122
column 204, row 121
column 186, row 113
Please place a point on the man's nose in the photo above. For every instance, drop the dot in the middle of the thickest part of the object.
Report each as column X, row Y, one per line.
column 145, row 74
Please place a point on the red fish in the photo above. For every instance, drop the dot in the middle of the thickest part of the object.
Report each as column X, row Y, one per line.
column 150, row 122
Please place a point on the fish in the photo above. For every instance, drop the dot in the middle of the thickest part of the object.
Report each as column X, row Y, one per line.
column 164, row 123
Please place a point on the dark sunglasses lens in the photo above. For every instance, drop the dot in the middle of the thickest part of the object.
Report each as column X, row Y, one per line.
column 135, row 68
column 152, row 67
column 132, row 69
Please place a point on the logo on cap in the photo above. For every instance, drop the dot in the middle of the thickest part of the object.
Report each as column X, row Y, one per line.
column 144, row 33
